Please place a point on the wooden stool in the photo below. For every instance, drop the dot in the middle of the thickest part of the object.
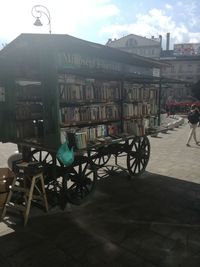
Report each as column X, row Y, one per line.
column 31, row 176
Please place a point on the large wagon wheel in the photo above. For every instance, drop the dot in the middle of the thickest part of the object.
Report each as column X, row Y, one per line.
column 46, row 158
column 99, row 157
column 51, row 166
column 79, row 180
column 74, row 183
column 138, row 155
column 42, row 156
column 52, row 172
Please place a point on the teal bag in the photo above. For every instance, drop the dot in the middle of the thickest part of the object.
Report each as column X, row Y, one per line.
column 65, row 155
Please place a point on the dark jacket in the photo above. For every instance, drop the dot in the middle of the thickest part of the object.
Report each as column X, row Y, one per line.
column 194, row 116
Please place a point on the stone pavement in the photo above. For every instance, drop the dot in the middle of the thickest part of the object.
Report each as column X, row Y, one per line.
column 149, row 221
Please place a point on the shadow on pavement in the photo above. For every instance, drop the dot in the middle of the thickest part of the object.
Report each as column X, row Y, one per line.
column 149, row 221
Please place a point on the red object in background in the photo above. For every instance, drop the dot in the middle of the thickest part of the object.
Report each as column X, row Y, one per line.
column 184, row 103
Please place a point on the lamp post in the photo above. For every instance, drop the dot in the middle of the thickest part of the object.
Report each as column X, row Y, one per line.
column 37, row 12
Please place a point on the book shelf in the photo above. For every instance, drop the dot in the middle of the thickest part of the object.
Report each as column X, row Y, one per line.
column 140, row 108
column 93, row 110
column 59, row 86
column 89, row 110
column 56, row 88
column 29, row 111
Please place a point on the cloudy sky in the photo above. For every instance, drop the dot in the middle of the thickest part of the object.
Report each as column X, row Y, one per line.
column 98, row 20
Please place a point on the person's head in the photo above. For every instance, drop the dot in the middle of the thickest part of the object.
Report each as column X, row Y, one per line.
column 193, row 107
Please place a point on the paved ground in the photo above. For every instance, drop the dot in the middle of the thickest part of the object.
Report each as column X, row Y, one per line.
column 149, row 221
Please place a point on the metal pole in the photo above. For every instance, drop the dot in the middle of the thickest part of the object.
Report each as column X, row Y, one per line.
column 159, row 101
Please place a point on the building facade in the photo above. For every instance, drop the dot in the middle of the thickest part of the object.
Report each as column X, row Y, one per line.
column 138, row 45
column 183, row 62
column 183, row 66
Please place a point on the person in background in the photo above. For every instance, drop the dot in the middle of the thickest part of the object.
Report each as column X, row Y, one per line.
column 168, row 105
column 193, row 120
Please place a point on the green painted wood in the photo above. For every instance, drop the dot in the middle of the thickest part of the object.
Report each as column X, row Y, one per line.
column 41, row 57
column 50, row 99
column 8, row 122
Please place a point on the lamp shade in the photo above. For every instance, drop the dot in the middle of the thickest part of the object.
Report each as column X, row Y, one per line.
column 37, row 22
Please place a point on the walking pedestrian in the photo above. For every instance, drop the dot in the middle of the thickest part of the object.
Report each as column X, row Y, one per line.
column 193, row 119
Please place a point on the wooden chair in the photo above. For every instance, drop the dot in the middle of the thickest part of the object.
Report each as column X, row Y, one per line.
column 31, row 186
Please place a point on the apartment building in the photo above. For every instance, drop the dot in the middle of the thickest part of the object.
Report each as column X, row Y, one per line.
column 138, row 45
column 183, row 61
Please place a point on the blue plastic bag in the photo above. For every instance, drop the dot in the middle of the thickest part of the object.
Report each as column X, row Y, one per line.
column 65, row 155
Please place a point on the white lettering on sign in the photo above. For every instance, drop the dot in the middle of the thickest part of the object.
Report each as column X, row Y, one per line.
column 67, row 60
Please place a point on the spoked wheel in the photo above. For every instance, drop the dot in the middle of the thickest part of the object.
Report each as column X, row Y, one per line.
column 98, row 157
column 52, row 172
column 138, row 155
column 80, row 180
column 41, row 156
column 46, row 158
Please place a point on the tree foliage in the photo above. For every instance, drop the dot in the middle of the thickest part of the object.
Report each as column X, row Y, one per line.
column 196, row 90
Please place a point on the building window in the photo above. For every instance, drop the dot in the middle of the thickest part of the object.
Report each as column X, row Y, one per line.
column 172, row 69
column 189, row 68
column 198, row 68
column 131, row 42
column 167, row 69
column 189, row 77
column 180, row 68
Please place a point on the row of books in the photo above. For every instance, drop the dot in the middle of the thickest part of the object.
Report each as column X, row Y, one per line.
column 89, row 113
column 135, row 110
column 30, row 111
column 29, row 93
column 79, row 138
column 136, row 93
column 28, row 129
column 31, row 128
column 95, row 92
column 153, row 107
column 138, row 127
column 92, row 90
column 152, row 122
column 71, row 79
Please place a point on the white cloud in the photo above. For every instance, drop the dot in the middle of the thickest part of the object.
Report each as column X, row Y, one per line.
column 179, row 3
column 156, row 22
column 194, row 38
column 167, row 6
column 66, row 16
column 78, row 18
column 189, row 12
column 153, row 23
